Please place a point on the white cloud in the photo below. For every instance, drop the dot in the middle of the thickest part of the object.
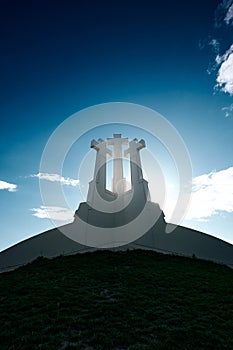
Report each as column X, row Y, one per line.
column 220, row 59
column 54, row 213
column 7, row 186
column 224, row 63
column 225, row 72
column 57, row 178
column 229, row 15
column 228, row 111
column 212, row 193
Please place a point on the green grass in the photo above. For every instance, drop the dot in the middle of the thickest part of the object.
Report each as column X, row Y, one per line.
column 123, row 300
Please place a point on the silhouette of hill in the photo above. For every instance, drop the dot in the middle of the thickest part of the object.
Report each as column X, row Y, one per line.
column 117, row 300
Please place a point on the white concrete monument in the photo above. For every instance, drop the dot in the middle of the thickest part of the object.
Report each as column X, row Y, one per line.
column 116, row 217
column 118, row 206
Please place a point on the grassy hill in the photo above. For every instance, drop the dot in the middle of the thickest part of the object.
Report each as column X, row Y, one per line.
column 117, row 300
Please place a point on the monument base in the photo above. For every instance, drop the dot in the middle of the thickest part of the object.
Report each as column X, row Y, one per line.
column 181, row 241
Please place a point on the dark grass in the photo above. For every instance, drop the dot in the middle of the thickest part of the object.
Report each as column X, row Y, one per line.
column 123, row 300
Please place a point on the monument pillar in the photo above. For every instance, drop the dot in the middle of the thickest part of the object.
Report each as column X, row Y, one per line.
column 139, row 185
column 118, row 182
column 99, row 180
column 135, row 161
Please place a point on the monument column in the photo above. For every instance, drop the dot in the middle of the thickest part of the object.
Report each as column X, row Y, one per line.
column 118, row 182
column 135, row 161
column 99, row 179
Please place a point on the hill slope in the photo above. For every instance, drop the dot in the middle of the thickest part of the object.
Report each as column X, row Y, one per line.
column 117, row 300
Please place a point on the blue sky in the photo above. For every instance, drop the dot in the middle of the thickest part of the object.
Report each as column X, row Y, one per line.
column 59, row 57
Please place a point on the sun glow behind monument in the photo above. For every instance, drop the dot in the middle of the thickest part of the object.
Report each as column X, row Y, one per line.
column 158, row 166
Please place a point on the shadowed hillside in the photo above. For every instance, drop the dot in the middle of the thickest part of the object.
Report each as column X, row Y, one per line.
column 117, row 300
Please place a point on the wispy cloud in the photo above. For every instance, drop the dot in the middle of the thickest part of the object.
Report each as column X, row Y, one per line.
column 209, row 41
column 223, row 13
column 229, row 16
column 57, row 178
column 225, row 72
column 54, row 213
column 228, row 111
column 214, row 43
column 215, row 47
column 212, row 193
column 223, row 63
column 7, row 186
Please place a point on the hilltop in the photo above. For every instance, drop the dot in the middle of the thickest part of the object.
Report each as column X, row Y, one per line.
column 117, row 300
